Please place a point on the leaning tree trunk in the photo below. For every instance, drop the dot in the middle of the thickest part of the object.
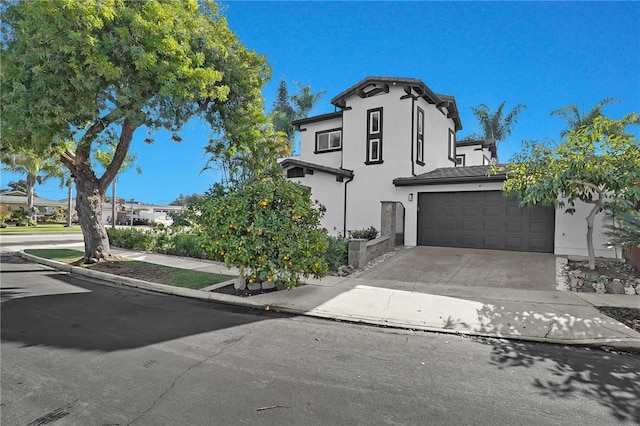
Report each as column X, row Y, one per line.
column 89, row 200
column 590, row 220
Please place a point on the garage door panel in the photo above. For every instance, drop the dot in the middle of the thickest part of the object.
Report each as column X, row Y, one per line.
column 483, row 220
column 513, row 243
column 515, row 211
column 512, row 226
column 491, row 211
column 537, row 244
column 491, row 226
column 491, row 241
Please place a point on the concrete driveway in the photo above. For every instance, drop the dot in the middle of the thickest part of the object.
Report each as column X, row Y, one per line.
column 469, row 267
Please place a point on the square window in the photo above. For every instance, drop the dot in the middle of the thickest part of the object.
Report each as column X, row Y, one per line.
column 329, row 140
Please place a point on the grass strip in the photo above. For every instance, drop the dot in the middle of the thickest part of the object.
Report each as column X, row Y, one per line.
column 135, row 269
column 49, row 228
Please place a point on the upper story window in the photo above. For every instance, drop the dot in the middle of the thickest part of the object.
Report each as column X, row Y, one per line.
column 460, row 160
column 420, row 138
column 374, row 136
column 329, row 140
column 452, row 146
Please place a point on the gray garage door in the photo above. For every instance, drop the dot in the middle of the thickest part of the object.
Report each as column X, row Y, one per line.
column 485, row 220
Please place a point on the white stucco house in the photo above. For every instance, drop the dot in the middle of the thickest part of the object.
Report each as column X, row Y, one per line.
column 394, row 139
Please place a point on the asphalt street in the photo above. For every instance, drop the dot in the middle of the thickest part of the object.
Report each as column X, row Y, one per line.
column 76, row 352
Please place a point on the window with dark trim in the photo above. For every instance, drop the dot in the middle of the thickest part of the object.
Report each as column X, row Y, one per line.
column 374, row 136
column 460, row 160
column 329, row 140
column 452, row 146
column 295, row 172
column 420, row 137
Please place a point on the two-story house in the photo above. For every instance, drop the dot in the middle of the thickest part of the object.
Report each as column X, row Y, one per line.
column 394, row 139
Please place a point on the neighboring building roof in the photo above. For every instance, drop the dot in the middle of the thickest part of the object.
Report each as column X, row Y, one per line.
column 37, row 201
column 293, row 162
column 373, row 85
column 452, row 175
column 486, row 143
column 317, row 118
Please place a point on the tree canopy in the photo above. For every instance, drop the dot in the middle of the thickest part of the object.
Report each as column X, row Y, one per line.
column 597, row 163
column 75, row 70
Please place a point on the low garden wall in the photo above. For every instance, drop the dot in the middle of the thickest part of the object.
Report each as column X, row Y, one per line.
column 362, row 251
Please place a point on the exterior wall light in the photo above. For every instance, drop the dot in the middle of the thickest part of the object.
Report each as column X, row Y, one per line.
column 411, row 196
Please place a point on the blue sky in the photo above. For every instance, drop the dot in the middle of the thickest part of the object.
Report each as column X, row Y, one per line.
column 541, row 54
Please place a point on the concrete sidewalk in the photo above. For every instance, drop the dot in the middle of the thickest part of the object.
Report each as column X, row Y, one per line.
column 542, row 316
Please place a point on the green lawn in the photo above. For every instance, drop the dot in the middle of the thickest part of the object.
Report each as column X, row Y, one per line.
column 140, row 270
column 45, row 228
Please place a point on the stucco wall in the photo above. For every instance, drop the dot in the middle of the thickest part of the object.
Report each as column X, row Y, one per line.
column 571, row 233
column 308, row 143
column 330, row 194
column 436, row 136
column 473, row 157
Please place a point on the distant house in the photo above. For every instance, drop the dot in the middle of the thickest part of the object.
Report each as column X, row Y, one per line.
column 14, row 201
column 394, row 139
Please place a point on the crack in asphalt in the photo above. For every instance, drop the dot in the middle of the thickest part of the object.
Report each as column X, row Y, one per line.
column 187, row 370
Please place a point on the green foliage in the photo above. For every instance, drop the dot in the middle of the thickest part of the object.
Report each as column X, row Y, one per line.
column 365, row 233
column 4, row 215
column 337, row 252
column 593, row 162
column 596, row 162
column 287, row 108
column 576, row 119
column 161, row 240
column 627, row 231
column 267, row 228
column 81, row 74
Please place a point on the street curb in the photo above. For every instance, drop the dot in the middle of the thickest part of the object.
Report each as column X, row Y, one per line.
column 628, row 345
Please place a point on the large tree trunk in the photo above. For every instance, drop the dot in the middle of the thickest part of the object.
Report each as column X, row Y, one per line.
column 590, row 220
column 89, row 200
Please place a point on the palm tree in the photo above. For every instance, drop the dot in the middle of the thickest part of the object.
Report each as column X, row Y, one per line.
column 575, row 119
column 305, row 100
column 496, row 125
column 37, row 170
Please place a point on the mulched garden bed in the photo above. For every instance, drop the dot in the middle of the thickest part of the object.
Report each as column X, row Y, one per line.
column 628, row 316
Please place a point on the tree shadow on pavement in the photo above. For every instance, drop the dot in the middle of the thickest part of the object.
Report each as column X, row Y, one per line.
column 104, row 317
column 612, row 381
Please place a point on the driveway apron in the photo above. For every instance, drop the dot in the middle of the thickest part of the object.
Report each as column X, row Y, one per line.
column 469, row 267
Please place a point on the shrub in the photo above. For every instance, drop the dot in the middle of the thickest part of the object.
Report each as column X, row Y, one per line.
column 132, row 239
column 337, row 252
column 365, row 233
column 268, row 229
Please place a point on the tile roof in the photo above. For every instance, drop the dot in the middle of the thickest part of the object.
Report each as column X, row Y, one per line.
column 452, row 175
column 294, row 162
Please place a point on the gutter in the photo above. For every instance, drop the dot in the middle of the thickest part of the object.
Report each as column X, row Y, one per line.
column 442, row 180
